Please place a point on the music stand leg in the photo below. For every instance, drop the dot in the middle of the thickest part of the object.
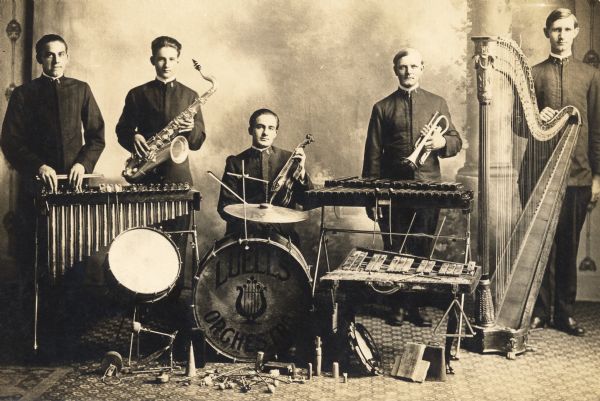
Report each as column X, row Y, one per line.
column 131, row 339
column 460, row 324
column 36, row 288
column 321, row 240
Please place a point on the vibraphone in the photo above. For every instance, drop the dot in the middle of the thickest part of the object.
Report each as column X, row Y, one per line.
column 406, row 272
column 77, row 224
column 354, row 191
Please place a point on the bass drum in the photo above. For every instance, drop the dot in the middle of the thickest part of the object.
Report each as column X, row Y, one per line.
column 252, row 296
column 144, row 263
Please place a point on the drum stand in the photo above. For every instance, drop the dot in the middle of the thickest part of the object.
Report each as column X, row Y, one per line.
column 136, row 329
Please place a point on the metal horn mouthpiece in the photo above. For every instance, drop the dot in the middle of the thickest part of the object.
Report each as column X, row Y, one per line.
column 418, row 157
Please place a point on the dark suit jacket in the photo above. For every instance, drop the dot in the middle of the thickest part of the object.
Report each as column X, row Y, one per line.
column 265, row 165
column 148, row 109
column 395, row 124
column 44, row 124
column 558, row 85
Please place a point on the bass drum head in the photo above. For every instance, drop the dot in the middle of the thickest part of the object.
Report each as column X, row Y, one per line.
column 255, row 299
column 145, row 262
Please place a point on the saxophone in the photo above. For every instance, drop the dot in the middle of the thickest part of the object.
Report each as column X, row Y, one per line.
column 167, row 144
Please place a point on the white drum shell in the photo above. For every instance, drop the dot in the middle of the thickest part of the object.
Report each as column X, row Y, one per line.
column 145, row 262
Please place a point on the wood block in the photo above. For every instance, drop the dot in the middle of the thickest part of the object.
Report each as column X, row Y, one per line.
column 420, row 372
column 411, row 365
column 434, row 354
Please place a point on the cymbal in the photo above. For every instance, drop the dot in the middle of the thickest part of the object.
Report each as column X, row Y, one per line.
column 266, row 213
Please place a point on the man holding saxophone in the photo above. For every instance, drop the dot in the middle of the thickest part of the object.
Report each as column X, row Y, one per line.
column 151, row 106
column 391, row 137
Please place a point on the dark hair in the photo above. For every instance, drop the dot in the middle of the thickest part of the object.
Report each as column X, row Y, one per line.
column 44, row 40
column 404, row 52
column 560, row 13
column 259, row 113
column 165, row 41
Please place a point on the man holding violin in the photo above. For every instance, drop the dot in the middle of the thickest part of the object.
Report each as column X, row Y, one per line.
column 261, row 161
column 391, row 138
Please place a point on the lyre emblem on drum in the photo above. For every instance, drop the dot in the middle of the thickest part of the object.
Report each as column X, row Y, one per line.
column 251, row 302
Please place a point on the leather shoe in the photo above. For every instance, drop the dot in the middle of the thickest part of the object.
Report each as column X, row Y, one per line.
column 537, row 323
column 570, row 326
column 396, row 318
column 420, row 318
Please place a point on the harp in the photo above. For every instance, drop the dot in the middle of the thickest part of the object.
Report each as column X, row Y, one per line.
column 524, row 166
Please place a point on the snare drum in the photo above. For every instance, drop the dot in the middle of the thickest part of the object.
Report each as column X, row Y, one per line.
column 252, row 296
column 144, row 262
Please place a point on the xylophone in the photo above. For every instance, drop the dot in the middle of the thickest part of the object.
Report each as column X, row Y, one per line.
column 354, row 191
column 406, row 271
column 77, row 224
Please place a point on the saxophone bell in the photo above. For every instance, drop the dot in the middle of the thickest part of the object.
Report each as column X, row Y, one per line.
column 418, row 157
column 179, row 149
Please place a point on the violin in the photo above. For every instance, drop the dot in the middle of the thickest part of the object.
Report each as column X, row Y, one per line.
column 282, row 186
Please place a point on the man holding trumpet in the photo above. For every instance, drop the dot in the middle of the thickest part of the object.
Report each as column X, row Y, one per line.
column 391, row 138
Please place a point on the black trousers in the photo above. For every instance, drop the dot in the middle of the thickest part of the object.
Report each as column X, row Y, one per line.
column 425, row 222
column 560, row 276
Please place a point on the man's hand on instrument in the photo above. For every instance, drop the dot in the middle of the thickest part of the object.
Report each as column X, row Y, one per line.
column 139, row 145
column 436, row 140
column 76, row 176
column 186, row 125
column 547, row 114
column 301, row 157
column 595, row 190
column 48, row 175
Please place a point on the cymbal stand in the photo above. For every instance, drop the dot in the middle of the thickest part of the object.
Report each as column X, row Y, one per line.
column 244, row 177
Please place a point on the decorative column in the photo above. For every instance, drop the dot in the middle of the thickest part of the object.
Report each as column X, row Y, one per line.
column 8, row 177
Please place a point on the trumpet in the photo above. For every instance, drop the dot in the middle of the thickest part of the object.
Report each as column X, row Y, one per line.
column 419, row 155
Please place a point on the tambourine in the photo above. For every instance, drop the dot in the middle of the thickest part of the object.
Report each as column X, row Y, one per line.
column 364, row 347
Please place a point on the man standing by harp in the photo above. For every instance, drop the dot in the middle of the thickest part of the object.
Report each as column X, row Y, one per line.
column 393, row 131
column 561, row 80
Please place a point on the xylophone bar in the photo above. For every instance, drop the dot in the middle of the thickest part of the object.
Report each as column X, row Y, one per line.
column 384, row 183
column 81, row 223
column 405, row 271
column 411, row 198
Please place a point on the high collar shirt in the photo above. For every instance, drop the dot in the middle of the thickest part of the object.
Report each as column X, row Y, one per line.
column 148, row 109
column 262, row 164
column 560, row 83
column 55, row 122
column 394, row 127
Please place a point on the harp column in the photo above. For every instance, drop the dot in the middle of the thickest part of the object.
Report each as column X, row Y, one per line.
column 484, row 64
column 489, row 18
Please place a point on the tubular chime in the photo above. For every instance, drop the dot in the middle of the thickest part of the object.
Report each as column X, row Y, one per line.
column 354, row 191
column 77, row 224
column 517, row 216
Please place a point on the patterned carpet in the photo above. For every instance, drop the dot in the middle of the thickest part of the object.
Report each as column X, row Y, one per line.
column 561, row 368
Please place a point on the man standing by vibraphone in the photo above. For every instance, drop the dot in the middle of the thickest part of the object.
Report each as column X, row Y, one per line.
column 393, row 130
column 42, row 136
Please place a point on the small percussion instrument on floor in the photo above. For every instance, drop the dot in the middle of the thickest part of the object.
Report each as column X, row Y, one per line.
column 144, row 262
column 252, row 295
